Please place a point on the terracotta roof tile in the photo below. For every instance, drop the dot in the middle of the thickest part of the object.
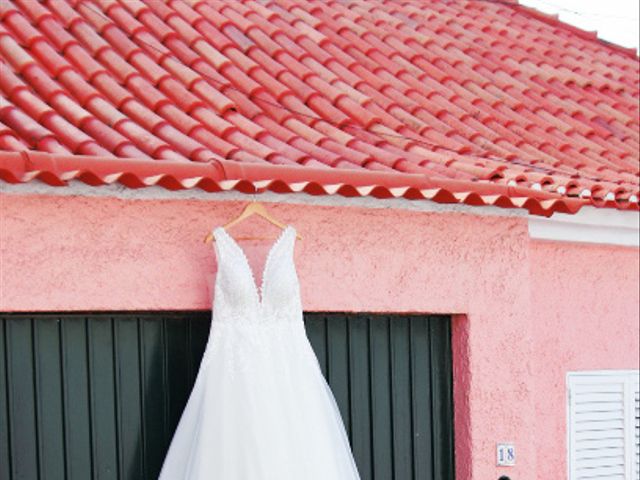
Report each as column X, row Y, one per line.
column 481, row 94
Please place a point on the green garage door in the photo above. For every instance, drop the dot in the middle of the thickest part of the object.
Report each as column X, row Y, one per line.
column 98, row 396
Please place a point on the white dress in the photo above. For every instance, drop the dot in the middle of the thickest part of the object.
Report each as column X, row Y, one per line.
column 260, row 408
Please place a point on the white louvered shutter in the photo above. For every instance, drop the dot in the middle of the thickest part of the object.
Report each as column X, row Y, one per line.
column 636, row 430
column 603, row 426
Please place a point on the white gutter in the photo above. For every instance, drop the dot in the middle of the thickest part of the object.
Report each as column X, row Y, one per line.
column 589, row 225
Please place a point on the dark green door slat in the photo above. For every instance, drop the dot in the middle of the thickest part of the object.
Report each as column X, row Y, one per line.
column 359, row 392
column 421, row 395
column 128, row 384
column 177, row 370
column 102, row 398
column 442, row 398
column 49, row 399
column 153, row 398
column 317, row 333
column 5, row 452
column 22, row 413
column 401, row 400
column 98, row 396
column 338, row 360
column 381, row 417
column 77, row 420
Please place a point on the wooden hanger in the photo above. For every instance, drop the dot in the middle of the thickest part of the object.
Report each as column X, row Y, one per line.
column 253, row 208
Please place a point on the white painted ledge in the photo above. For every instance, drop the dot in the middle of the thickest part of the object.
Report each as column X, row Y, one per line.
column 589, row 225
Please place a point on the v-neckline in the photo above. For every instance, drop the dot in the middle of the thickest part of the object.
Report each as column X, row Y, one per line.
column 258, row 292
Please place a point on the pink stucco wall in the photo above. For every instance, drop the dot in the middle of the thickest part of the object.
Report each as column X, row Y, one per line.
column 515, row 302
column 585, row 315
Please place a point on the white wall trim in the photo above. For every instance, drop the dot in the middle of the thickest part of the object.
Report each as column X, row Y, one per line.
column 591, row 373
column 589, row 225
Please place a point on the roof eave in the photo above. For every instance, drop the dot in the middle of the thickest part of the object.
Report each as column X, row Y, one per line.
column 219, row 174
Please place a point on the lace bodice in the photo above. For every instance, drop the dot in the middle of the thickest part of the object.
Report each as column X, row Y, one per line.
column 237, row 297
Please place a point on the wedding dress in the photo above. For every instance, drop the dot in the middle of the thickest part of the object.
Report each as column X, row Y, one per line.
column 260, row 408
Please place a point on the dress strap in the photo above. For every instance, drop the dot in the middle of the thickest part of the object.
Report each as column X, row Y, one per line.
column 215, row 233
column 219, row 236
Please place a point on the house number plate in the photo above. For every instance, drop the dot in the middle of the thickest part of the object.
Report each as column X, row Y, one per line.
column 506, row 455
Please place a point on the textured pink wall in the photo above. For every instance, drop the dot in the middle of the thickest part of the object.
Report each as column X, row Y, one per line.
column 585, row 314
column 112, row 254
column 80, row 253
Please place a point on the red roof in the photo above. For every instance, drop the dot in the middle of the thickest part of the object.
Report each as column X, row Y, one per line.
column 469, row 101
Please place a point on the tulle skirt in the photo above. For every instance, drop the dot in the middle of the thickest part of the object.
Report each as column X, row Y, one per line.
column 260, row 409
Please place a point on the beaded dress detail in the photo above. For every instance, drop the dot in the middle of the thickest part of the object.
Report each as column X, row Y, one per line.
column 260, row 408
